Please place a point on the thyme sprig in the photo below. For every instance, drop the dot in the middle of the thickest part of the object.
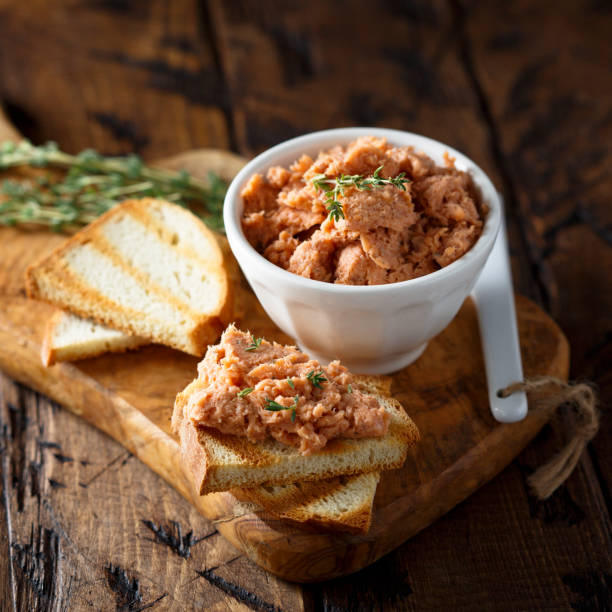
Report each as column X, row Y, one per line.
column 276, row 407
column 334, row 187
column 255, row 344
column 93, row 184
column 316, row 378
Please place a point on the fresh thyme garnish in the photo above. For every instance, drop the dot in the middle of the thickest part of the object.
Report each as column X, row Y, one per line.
column 245, row 392
column 93, row 184
column 290, row 383
column 316, row 379
column 349, row 389
column 255, row 342
column 276, row 407
column 334, row 187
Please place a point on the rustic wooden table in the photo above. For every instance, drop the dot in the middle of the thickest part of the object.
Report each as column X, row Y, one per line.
column 523, row 88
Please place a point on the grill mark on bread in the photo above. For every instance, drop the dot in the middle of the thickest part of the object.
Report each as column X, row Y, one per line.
column 69, row 279
column 311, row 503
column 104, row 247
column 209, row 269
column 104, row 305
column 144, row 217
column 65, row 339
column 306, row 492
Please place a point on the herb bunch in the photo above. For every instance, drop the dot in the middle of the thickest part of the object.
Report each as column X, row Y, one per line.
column 334, row 187
column 93, row 184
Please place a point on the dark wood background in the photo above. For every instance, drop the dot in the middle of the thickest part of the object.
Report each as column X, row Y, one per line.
column 522, row 87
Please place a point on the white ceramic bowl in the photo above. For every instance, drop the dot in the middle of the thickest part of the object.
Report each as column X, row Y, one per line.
column 372, row 329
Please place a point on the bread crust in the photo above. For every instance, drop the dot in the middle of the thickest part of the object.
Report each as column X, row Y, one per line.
column 291, row 502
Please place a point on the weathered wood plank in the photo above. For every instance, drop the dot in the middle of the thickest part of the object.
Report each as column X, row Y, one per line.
column 91, row 526
column 118, row 77
column 499, row 550
column 151, row 61
column 549, row 90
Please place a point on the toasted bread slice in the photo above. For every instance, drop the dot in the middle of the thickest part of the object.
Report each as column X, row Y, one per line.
column 69, row 338
column 341, row 504
column 219, row 462
column 148, row 268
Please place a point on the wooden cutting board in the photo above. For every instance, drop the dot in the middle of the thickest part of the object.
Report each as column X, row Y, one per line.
column 130, row 397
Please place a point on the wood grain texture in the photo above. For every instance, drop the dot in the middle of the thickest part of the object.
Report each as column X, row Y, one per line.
column 500, row 549
column 553, row 113
column 128, row 76
column 76, row 544
column 130, row 397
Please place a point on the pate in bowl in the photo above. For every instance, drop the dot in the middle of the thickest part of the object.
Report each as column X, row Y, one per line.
column 349, row 284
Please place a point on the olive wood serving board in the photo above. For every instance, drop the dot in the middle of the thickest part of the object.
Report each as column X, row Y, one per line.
column 130, row 397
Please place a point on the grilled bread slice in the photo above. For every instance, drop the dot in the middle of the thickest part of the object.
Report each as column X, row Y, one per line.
column 148, row 268
column 340, row 504
column 219, row 462
column 343, row 503
column 69, row 338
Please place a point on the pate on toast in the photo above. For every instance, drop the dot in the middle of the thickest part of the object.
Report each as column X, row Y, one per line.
column 321, row 422
column 340, row 504
column 219, row 462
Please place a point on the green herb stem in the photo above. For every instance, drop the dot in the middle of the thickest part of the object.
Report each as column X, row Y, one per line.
column 276, row 407
column 316, row 378
column 334, row 187
column 255, row 344
column 93, row 184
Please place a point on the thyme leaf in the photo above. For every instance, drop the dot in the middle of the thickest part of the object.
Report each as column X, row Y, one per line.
column 276, row 407
column 245, row 392
column 255, row 343
column 94, row 183
column 316, row 379
column 334, row 187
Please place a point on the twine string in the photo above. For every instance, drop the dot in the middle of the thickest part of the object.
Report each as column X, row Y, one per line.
column 585, row 423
